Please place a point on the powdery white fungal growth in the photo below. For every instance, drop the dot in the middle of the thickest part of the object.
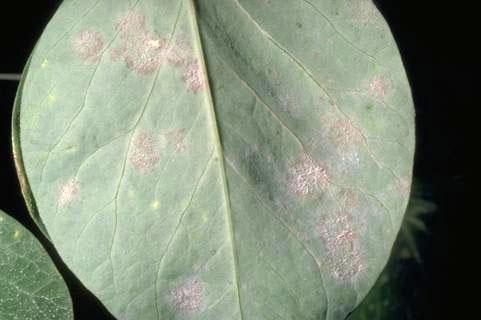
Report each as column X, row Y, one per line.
column 343, row 133
column 378, row 87
column 177, row 137
column 144, row 152
column 348, row 199
column 306, row 177
column 362, row 11
column 188, row 296
column 342, row 245
column 404, row 187
column 290, row 105
column 88, row 44
column 193, row 76
column 68, row 192
column 141, row 51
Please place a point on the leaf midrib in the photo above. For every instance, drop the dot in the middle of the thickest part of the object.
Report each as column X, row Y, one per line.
column 218, row 145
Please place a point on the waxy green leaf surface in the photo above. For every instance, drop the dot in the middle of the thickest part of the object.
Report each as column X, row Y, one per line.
column 218, row 159
column 30, row 286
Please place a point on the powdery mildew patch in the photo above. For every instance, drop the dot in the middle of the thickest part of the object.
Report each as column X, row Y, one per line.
column 343, row 134
column 176, row 137
column 378, row 87
column 88, row 44
column 404, row 187
column 362, row 11
column 144, row 153
column 348, row 199
column 68, row 192
column 306, row 177
column 193, row 76
column 342, row 245
column 187, row 297
column 142, row 51
column 145, row 52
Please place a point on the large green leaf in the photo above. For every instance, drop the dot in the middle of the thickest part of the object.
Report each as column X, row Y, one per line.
column 218, row 159
column 30, row 285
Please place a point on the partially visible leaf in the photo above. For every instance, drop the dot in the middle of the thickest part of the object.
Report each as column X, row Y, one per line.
column 387, row 300
column 31, row 288
column 218, row 159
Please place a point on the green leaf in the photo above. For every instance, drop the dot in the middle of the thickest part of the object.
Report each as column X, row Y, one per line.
column 219, row 159
column 30, row 285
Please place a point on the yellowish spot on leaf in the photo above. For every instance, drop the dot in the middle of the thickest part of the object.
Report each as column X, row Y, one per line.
column 44, row 63
column 17, row 234
column 155, row 204
column 51, row 98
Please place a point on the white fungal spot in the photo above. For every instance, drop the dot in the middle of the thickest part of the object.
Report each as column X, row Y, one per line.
column 404, row 187
column 176, row 137
column 144, row 51
column 342, row 245
column 378, row 87
column 88, row 44
column 187, row 296
column 68, row 192
column 343, row 133
column 362, row 11
column 348, row 199
column 306, row 177
column 145, row 152
column 290, row 105
column 193, row 76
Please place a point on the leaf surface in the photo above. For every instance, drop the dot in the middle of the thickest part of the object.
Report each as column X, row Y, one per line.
column 221, row 159
column 30, row 285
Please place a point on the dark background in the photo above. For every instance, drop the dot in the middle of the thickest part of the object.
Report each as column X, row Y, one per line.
column 432, row 39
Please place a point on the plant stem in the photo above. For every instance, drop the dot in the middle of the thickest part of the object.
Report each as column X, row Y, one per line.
column 10, row 76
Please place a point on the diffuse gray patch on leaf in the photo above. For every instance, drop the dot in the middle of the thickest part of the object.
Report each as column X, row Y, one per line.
column 305, row 177
column 342, row 245
column 145, row 152
column 88, row 44
column 68, row 192
column 187, row 297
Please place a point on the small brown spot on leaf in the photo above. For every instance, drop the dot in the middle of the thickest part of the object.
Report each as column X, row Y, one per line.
column 145, row 152
column 88, row 44
column 341, row 242
column 68, row 192
column 187, row 296
column 306, row 177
